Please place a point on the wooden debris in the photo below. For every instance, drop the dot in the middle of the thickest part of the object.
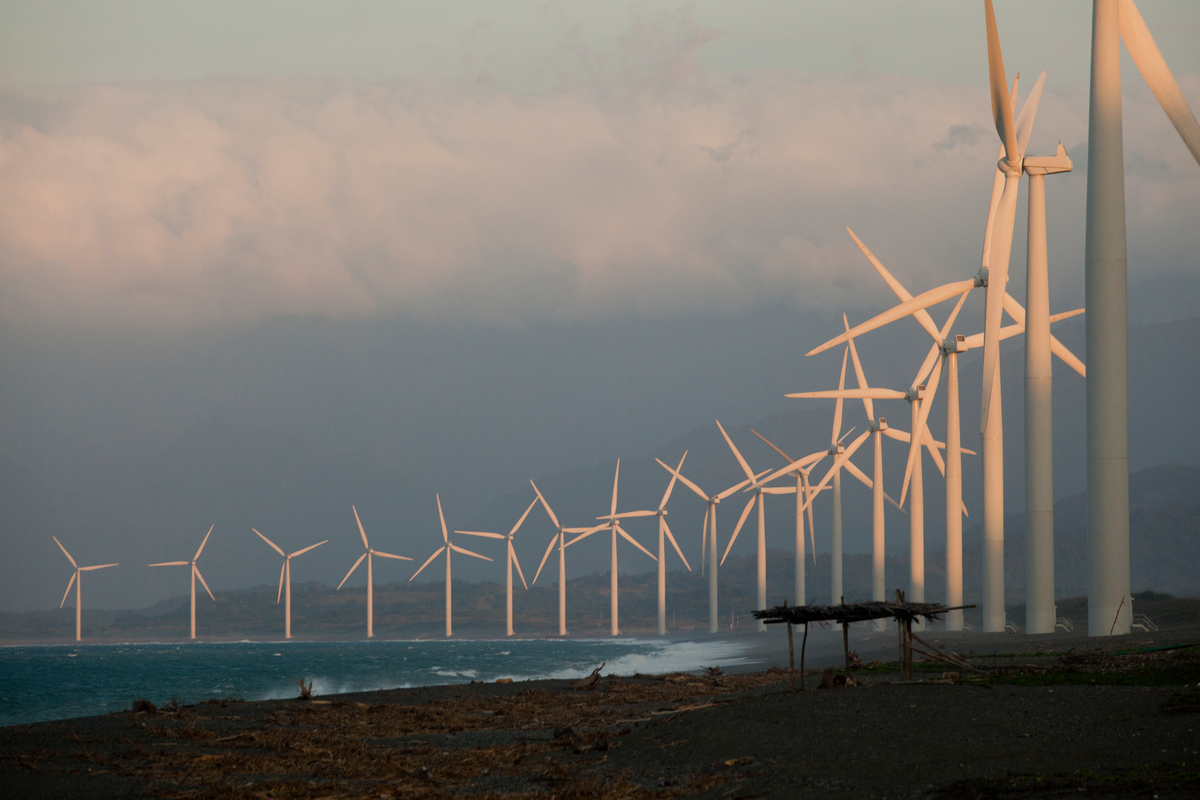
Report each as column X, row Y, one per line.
column 590, row 682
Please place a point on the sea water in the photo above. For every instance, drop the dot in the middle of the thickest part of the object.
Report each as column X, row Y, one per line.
column 39, row 683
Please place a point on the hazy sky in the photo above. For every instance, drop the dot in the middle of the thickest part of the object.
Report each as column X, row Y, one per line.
column 179, row 182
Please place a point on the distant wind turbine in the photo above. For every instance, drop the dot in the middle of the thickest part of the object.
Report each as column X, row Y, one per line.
column 509, row 561
column 195, row 573
column 369, row 556
column 77, row 582
column 708, row 537
column 560, row 539
column 612, row 523
column 446, row 547
column 664, row 532
column 285, row 579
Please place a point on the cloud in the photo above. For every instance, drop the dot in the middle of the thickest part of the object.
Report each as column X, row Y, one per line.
column 231, row 200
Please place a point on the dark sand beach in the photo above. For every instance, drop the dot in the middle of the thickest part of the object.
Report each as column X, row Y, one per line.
column 1051, row 716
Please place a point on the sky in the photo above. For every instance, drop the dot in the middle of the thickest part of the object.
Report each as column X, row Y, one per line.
column 208, row 210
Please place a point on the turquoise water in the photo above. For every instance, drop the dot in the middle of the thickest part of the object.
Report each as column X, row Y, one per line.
column 40, row 683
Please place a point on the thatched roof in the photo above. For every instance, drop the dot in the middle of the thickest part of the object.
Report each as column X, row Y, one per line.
column 852, row 612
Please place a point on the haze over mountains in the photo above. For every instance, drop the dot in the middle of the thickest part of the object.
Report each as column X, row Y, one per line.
column 130, row 457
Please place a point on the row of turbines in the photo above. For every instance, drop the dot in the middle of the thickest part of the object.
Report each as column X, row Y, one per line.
column 1107, row 415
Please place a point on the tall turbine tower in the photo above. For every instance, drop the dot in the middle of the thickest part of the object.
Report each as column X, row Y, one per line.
column 559, row 539
column 612, row 523
column 77, row 582
column 708, row 537
column 446, row 547
column 195, row 573
column 369, row 556
column 285, row 579
column 664, row 532
column 510, row 559
column 1105, row 289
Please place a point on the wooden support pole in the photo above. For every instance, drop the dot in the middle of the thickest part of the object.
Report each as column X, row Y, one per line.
column 846, row 646
column 791, row 657
column 803, row 646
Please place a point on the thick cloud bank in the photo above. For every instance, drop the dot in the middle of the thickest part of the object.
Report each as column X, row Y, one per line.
column 232, row 200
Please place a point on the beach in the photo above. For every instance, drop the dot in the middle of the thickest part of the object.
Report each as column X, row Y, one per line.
column 1059, row 717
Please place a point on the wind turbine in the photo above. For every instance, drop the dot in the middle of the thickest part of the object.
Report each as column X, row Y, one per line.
column 759, row 488
column 285, row 577
column 611, row 522
column 195, row 574
column 664, row 532
column 509, row 561
column 369, row 556
column 77, row 582
column 560, row 539
column 446, row 547
column 803, row 491
column 1105, row 271
column 708, row 538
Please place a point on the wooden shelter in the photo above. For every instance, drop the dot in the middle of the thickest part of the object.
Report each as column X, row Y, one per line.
column 848, row 613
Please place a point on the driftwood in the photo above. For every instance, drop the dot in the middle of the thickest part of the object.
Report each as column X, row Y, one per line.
column 305, row 690
column 590, row 682
column 938, row 654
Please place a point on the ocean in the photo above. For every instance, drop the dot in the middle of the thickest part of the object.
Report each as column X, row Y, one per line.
column 39, row 683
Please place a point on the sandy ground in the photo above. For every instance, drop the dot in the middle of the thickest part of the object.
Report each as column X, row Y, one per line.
column 744, row 734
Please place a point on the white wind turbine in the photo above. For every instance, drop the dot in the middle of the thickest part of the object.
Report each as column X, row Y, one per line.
column 1106, row 279
column 664, row 532
column 759, row 488
column 369, row 556
column 803, row 492
column 77, row 582
column 510, row 559
column 611, row 522
column 708, row 538
column 559, row 539
column 446, row 547
column 195, row 572
column 285, row 577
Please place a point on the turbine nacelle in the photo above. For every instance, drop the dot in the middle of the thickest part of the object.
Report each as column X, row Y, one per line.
column 1049, row 165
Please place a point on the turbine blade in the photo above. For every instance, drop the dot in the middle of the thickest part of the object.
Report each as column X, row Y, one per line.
column 935, row 352
column 837, row 406
column 310, row 547
column 361, row 531
column 351, row 572
column 389, row 555
column 897, row 288
column 170, row 564
column 204, row 583
column 1157, row 74
column 1001, row 100
column 876, row 394
column 945, row 331
column 482, row 534
column 101, row 566
column 545, row 505
column 282, row 567
column 899, row 507
column 65, row 553
column 522, row 519
column 549, row 548
column 675, row 544
column 837, row 464
column 785, row 456
column 442, row 518
column 1002, row 233
column 671, row 485
column 274, row 546
column 586, row 533
column 616, row 477
column 1059, row 349
column 738, row 528
column 512, row 553
column 686, row 482
column 792, row 466
column 1066, row 315
column 812, row 529
column 467, row 552
column 436, row 553
column 628, row 514
column 1029, row 113
column 922, row 419
column 858, row 473
column 704, row 539
column 737, row 453
column 779, row 489
column 908, row 307
column 70, row 583
column 895, row 433
column 740, row 486
column 201, row 549
column 635, row 542
column 859, row 375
